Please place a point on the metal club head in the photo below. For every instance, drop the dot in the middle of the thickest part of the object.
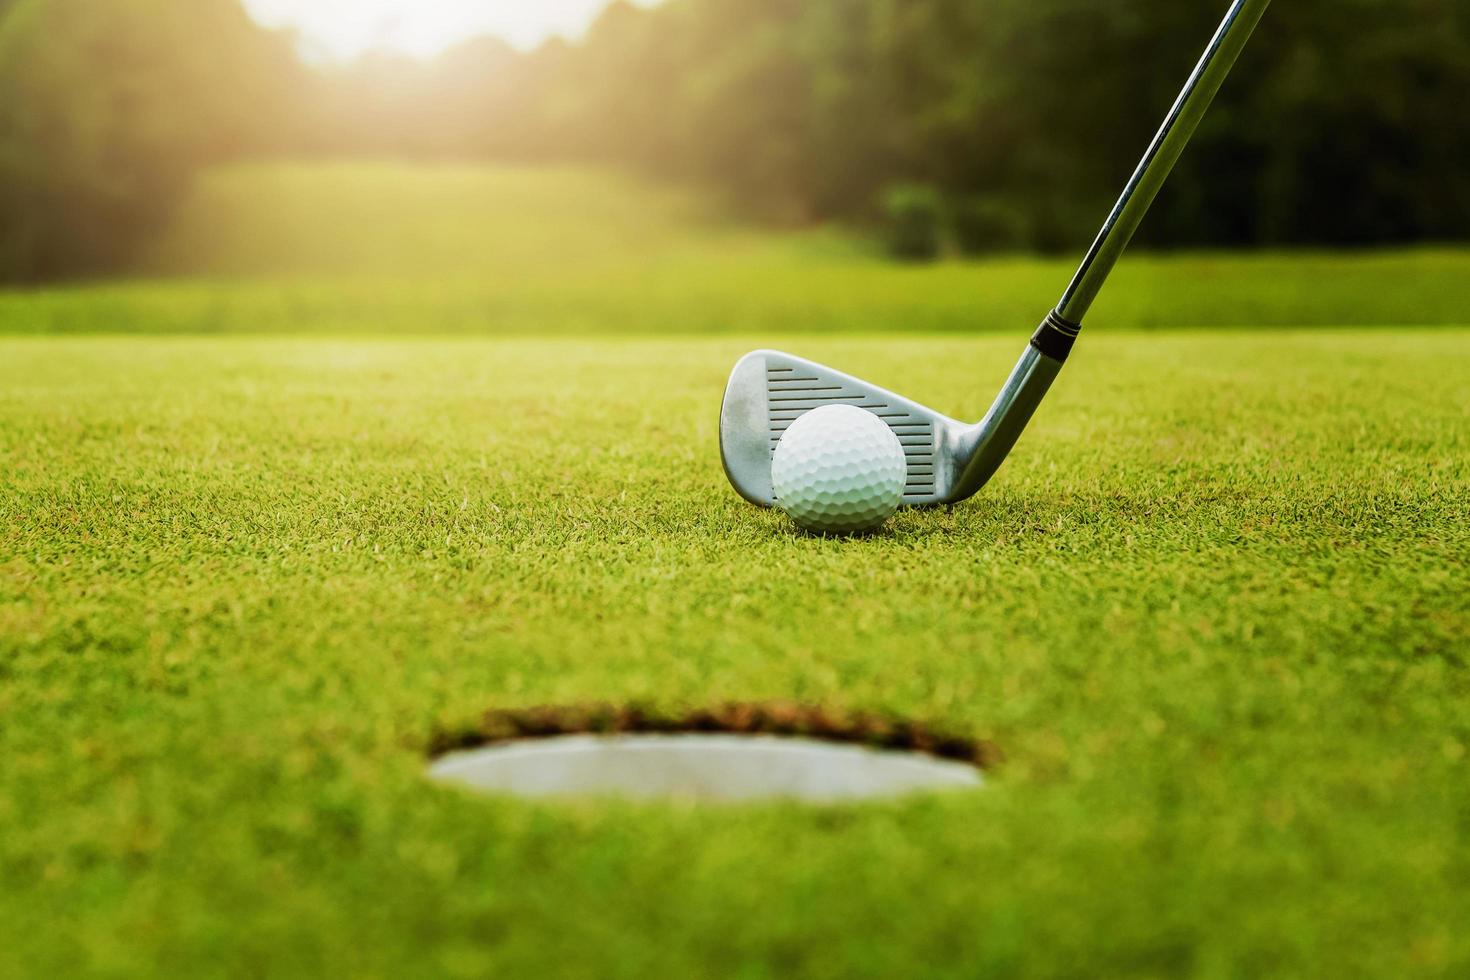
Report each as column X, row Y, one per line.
column 948, row 461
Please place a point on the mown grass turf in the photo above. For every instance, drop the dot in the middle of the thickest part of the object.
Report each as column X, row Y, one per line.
column 355, row 248
column 1214, row 611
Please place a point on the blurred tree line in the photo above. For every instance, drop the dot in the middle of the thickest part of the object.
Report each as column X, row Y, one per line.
column 1013, row 123
column 968, row 125
column 108, row 107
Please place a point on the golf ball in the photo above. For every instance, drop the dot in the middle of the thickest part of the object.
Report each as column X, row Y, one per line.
column 839, row 469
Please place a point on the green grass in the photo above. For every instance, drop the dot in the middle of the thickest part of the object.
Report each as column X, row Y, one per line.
column 353, row 249
column 1214, row 612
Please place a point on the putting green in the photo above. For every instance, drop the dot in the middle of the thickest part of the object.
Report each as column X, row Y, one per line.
column 1214, row 612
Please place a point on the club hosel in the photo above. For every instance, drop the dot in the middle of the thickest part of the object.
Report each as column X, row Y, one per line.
column 1055, row 336
column 990, row 442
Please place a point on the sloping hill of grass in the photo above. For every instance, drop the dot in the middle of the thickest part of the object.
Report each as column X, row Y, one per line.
column 501, row 225
column 395, row 250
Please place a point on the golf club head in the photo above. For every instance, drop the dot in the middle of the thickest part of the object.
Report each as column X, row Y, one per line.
column 768, row 390
column 948, row 461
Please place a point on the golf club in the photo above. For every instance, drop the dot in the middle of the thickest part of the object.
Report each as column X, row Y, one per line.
column 949, row 461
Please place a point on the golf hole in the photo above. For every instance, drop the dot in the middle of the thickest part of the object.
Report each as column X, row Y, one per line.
column 737, row 753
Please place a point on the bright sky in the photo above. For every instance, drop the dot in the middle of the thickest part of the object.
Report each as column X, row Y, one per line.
column 343, row 29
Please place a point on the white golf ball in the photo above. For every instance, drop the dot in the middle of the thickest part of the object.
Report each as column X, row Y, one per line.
column 839, row 469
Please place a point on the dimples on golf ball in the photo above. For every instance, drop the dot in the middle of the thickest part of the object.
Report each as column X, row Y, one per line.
column 839, row 469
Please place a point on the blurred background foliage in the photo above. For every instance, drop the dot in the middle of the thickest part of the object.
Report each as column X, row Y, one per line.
column 109, row 107
column 951, row 126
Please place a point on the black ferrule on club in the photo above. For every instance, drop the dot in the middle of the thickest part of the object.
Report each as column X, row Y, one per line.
column 1056, row 336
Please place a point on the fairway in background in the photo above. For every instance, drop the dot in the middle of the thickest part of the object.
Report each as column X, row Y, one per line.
column 499, row 225
column 397, row 249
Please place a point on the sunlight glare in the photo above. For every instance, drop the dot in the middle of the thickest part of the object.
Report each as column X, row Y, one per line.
column 343, row 29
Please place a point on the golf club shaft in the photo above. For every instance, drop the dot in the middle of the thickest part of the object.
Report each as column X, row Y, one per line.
column 989, row 443
column 1158, row 162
